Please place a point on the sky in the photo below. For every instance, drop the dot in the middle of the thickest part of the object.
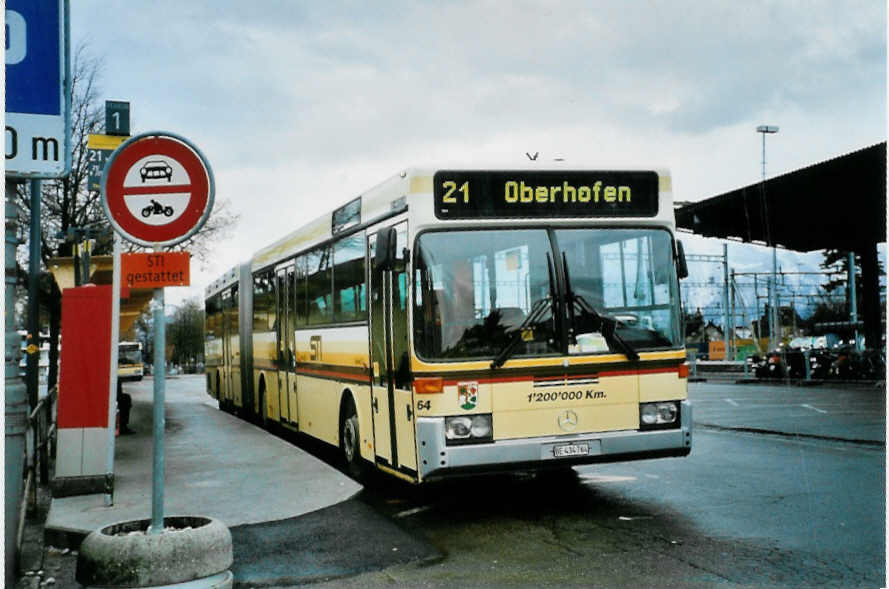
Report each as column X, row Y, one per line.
column 300, row 106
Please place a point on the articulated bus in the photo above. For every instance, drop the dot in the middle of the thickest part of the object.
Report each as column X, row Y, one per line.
column 458, row 321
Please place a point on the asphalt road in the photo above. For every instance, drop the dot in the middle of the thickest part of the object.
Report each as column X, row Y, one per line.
column 785, row 487
column 770, row 497
column 852, row 413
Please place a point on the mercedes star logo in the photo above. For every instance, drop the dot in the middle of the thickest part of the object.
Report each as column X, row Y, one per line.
column 568, row 420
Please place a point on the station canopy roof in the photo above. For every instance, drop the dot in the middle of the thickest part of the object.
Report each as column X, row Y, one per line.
column 133, row 301
column 836, row 204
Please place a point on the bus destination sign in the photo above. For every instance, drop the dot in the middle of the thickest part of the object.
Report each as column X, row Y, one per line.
column 528, row 193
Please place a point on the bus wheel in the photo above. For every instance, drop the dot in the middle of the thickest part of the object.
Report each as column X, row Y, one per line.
column 350, row 441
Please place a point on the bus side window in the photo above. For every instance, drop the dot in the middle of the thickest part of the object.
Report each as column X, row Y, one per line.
column 260, row 312
column 299, row 293
column 348, row 277
column 319, row 286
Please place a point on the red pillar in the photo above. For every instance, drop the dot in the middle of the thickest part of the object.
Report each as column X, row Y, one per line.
column 84, row 391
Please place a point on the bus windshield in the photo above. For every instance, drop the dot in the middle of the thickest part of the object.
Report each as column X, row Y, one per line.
column 129, row 354
column 478, row 293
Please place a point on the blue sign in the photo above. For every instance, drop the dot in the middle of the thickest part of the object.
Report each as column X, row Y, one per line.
column 33, row 57
column 37, row 118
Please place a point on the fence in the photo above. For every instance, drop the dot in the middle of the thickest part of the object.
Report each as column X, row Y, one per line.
column 39, row 446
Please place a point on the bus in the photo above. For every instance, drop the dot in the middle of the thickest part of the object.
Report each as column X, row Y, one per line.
column 129, row 361
column 457, row 321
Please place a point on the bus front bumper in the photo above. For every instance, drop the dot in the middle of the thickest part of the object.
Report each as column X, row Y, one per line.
column 438, row 460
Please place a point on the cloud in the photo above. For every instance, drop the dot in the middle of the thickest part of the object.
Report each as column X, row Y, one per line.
column 302, row 105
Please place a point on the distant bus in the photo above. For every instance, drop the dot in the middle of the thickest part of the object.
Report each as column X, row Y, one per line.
column 450, row 322
column 129, row 361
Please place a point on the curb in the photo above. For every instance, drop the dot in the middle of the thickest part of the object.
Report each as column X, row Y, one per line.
column 754, row 430
column 71, row 539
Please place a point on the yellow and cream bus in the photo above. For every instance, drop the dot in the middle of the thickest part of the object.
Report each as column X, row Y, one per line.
column 129, row 361
column 455, row 321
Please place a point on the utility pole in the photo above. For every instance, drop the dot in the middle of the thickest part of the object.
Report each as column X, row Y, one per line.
column 732, row 314
column 727, row 322
column 758, row 333
column 853, row 298
column 773, row 291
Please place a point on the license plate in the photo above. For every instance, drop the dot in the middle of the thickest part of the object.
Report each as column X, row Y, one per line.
column 571, row 450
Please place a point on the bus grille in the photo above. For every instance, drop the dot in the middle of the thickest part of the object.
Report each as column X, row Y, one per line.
column 565, row 381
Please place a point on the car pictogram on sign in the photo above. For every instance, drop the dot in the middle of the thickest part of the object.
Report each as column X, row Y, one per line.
column 156, row 169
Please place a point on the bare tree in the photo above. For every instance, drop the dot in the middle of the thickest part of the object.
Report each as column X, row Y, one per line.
column 186, row 334
column 68, row 203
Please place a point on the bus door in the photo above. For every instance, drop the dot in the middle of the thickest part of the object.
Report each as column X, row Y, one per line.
column 392, row 401
column 226, row 392
column 286, row 360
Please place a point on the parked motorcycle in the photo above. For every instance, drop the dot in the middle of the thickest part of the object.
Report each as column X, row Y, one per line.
column 850, row 364
column 769, row 366
column 820, row 362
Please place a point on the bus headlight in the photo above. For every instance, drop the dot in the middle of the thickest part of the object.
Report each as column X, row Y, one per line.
column 481, row 426
column 458, row 428
column 667, row 412
column 468, row 429
column 664, row 414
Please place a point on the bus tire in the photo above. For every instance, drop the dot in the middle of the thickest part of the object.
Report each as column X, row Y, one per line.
column 350, row 440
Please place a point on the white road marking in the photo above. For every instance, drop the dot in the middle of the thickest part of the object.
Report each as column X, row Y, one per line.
column 813, row 408
column 413, row 511
column 599, row 478
column 732, row 403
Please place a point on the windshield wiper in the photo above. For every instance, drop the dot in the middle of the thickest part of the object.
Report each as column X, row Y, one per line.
column 607, row 324
column 537, row 311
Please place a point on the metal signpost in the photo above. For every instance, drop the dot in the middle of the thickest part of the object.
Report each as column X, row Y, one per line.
column 157, row 191
column 774, row 311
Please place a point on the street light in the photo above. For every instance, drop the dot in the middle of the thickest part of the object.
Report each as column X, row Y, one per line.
column 773, row 291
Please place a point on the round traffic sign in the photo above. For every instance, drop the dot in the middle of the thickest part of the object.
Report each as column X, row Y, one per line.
column 157, row 189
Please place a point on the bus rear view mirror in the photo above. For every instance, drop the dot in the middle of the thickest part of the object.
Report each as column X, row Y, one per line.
column 681, row 265
column 384, row 252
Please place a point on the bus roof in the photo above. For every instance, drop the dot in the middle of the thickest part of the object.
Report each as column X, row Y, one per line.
column 399, row 189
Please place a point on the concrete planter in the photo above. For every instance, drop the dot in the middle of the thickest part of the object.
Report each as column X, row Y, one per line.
column 193, row 550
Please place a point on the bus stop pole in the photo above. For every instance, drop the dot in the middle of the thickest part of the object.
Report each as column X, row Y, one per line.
column 159, row 370
column 112, row 381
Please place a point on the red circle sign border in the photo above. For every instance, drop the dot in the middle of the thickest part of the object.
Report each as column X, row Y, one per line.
column 200, row 188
